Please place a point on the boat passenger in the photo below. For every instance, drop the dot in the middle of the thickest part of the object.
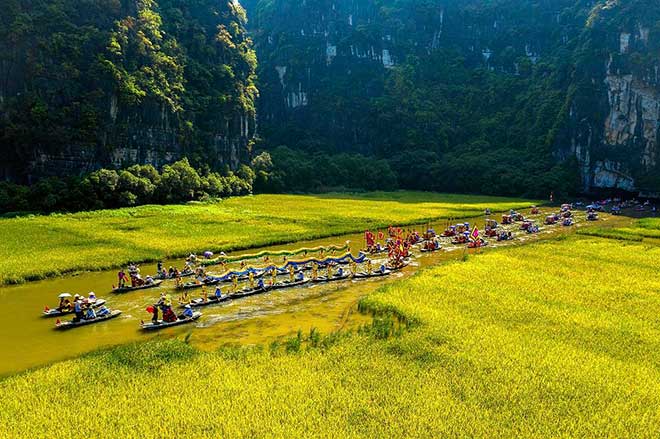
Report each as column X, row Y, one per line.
column 91, row 297
column 260, row 283
column 90, row 314
column 382, row 268
column 159, row 267
column 77, row 308
column 187, row 313
column 168, row 315
column 340, row 272
column 170, row 271
column 218, row 293
column 300, row 276
column 102, row 311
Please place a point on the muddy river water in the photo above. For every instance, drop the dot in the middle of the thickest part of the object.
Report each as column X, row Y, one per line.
column 29, row 340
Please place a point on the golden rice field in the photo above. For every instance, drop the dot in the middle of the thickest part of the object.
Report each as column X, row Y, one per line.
column 35, row 247
column 554, row 339
column 639, row 230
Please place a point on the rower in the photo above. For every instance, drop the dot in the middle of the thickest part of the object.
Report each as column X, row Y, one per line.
column 77, row 307
column 273, row 276
column 251, row 280
column 121, row 276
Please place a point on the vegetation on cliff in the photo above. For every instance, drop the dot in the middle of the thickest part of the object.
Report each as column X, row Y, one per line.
column 85, row 81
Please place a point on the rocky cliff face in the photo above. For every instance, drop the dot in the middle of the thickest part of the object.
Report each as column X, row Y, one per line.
column 112, row 83
column 615, row 133
column 601, row 56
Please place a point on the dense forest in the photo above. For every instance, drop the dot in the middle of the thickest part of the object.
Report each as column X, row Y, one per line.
column 513, row 97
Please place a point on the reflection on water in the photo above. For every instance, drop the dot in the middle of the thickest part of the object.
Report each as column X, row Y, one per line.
column 28, row 340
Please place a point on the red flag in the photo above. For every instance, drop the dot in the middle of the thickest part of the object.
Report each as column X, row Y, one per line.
column 475, row 233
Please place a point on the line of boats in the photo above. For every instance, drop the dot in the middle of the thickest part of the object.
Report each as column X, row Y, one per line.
column 296, row 270
column 256, row 285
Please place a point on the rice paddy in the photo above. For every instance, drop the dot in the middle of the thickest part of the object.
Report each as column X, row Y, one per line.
column 638, row 230
column 553, row 339
column 36, row 247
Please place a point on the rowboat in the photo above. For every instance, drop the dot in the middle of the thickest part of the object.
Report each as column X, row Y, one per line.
column 477, row 244
column 428, row 250
column 72, row 324
column 164, row 276
column 160, row 324
column 192, row 285
column 200, row 301
column 56, row 313
column 141, row 287
column 365, row 275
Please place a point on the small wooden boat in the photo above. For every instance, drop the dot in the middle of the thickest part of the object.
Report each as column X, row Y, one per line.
column 154, row 284
column 375, row 250
column 56, row 313
column 211, row 300
column 165, row 276
column 428, row 249
column 160, row 324
column 378, row 273
column 332, row 278
column 73, row 324
column 462, row 239
column 192, row 285
column 449, row 232
column 477, row 244
column 491, row 224
column 288, row 284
